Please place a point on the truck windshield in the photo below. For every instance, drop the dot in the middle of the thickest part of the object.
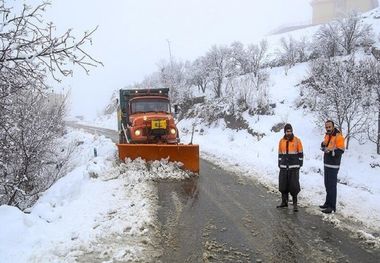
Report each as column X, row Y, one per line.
column 150, row 105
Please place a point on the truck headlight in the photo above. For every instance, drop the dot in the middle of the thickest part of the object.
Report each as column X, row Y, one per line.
column 172, row 131
column 137, row 132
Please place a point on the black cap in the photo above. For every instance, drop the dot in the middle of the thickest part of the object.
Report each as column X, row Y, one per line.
column 288, row 127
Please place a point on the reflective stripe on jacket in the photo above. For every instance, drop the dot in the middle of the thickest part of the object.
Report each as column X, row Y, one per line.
column 290, row 153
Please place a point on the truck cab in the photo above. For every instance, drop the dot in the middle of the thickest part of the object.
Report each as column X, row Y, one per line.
column 145, row 117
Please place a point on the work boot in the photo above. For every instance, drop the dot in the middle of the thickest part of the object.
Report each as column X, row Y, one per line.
column 295, row 205
column 284, row 202
column 324, row 206
column 328, row 210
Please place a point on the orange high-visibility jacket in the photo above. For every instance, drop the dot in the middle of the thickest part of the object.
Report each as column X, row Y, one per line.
column 333, row 145
column 290, row 153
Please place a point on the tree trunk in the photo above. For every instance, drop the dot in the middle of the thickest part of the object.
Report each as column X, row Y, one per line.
column 378, row 127
column 348, row 134
column 203, row 87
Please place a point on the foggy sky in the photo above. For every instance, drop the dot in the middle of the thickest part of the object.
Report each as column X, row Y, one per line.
column 133, row 36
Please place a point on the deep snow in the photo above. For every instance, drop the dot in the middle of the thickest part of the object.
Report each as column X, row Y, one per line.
column 100, row 209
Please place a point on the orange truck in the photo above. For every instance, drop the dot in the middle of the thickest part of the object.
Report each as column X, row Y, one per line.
column 147, row 129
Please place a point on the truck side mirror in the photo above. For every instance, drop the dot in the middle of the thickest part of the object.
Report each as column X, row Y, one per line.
column 176, row 109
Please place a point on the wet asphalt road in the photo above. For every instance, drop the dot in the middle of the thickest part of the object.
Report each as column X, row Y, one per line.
column 112, row 134
column 221, row 217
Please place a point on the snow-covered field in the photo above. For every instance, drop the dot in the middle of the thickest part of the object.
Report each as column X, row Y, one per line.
column 85, row 213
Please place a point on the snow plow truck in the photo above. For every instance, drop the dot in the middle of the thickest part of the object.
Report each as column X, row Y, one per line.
column 147, row 129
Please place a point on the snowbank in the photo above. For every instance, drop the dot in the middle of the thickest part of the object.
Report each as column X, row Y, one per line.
column 100, row 211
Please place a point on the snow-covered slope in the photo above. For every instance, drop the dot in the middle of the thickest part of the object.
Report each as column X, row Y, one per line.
column 359, row 187
column 100, row 209
column 359, row 176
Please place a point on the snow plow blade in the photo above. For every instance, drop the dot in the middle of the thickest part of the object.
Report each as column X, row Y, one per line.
column 186, row 154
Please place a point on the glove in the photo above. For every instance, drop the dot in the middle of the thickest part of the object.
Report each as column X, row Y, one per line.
column 323, row 147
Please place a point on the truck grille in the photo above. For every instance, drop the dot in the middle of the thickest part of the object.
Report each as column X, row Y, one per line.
column 158, row 132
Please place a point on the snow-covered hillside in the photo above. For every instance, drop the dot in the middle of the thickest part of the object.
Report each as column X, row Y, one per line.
column 359, row 183
column 358, row 178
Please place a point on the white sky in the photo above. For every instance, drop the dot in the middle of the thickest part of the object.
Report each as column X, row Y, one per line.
column 132, row 35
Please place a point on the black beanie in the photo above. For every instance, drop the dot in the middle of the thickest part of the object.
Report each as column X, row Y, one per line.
column 288, row 127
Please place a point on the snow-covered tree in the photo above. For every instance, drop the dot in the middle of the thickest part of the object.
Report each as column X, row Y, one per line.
column 199, row 74
column 288, row 53
column 239, row 60
column 29, row 161
column 30, row 50
column 292, row 51
column 247, row 60
column 303, row 50
column 354, row 33
column 257, row 57
column 343, row 36
column 251, row 92
column 370, row 68
column 173, row 75
column 326, row 41
column 337, row 90
column 220, row 66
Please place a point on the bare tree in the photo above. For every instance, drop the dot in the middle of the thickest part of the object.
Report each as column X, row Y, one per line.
column 239, row 59
column 257, row 56
column 288, row 53
column 27, row 141
column 303, row 50
column 370, row 69
column 251, row 92
column 343, row 36
column 326, row 40
column 173, row 75
column 354, row 33
column 29, row 49
column 199, row 74
column 219, row 64
column 336, row 90
column 29, row 121
column 249, row 60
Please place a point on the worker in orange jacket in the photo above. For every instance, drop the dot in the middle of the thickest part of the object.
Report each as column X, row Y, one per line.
column 333, row 148
column 290, row 160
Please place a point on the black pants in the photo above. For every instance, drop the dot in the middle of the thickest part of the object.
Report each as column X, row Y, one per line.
column 331, row 180
column 288, row 181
